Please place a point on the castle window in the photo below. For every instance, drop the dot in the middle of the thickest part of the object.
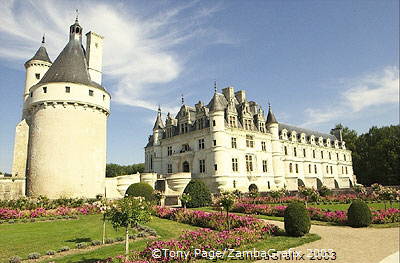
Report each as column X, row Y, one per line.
column 235, row 166
column 215, row 167
column 91, row 92
column 330, row 157
column 265, row 166
column 37, row 75
column 184, row 128
column 31, row 94
column 202, row 166
column 322, row 154
column 232, row 121
column 315, row 168
column 344, row 156
column 200, row 124
column 269, row 185
column 214, row 123
column 262, row 126
column 234, row 183
column 304, row 152
column 201, row 144
column 342, row 170
column 309, row 168
column 249, row 163
column 327, row 171
column 337, row 156
column 247, row 124
column 297, row 168
column 313, row 154
column 44, row 89
column 263, row 146
column 346, row 169
column 295, row 151
column 290, row 168
column 215, row 142
column 331, row 170
column 233, row 142
column 67, row 89
column 104, row 97
column 285, row 150
column 249, row 141
column 169, row 168
column 169, row 150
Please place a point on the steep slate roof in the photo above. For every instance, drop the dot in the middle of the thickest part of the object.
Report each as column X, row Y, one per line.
column 159, row 123
column 271, row 117
column 41, row 54
column 70, row 66
column 306, row 131
column 218, row 102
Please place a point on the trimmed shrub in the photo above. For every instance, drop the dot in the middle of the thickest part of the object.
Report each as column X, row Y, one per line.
column 141, row 189
column 15, row 259
column 95, row 243
column 109, row 241
column 359, row 214
column 119, row 239
column 34, row 255
column 81, row 245
column 64, row 248
column 199, row 193
column 297, row 220
column 50, row 252
column 324, row 191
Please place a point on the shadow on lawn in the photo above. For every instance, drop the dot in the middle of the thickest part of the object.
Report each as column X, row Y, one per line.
column 80, row 240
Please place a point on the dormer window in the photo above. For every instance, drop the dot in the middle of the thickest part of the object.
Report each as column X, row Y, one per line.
column 232, row 121
column 91, row 92
column 67, row 89
column 44, row 89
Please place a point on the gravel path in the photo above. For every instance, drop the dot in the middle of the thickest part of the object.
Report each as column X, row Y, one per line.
column 353, row 245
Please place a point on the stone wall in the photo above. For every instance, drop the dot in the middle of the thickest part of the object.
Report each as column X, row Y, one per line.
column 11, row 187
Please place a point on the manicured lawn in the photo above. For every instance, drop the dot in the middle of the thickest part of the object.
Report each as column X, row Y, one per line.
column 22, row 239
column 344, row 207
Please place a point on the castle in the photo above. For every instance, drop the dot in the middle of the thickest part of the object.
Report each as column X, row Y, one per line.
column 229, row 144
column 60, row 143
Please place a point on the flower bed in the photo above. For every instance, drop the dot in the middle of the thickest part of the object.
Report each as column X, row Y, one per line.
column 213, row 236
column 40, row 212
column 215, row 221
column 378, row 216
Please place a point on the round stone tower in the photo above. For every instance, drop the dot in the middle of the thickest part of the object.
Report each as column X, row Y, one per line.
column 68, row 114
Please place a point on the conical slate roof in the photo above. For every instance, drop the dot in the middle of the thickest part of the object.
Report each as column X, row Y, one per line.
column 70, row 66
column 217, row 103
column 41, row 54
column 271, row 117
column 158, row 124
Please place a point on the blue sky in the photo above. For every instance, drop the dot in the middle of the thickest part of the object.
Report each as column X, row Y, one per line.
column 318, row 62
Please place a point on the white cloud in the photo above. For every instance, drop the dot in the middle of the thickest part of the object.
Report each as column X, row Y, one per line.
column 360, row 94
column 142, row 50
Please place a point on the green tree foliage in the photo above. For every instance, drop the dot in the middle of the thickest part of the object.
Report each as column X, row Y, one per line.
column 199, row 193
column 375, row 154
column 113, row 170
column 296, row 219
column 141, row 189
column 359, row 214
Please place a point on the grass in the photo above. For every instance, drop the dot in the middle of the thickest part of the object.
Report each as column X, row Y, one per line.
column 22, row 239
column 344, row 207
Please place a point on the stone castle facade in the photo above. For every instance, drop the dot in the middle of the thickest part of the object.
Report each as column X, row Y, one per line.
column 60, row 143
column 230, row 144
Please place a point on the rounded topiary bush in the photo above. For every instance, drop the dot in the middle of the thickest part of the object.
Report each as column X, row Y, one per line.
column 199, row 194
column 359, row 214
column 141, row 189
column 297, row 220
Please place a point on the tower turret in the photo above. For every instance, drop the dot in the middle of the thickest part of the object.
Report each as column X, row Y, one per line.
column 277, row 154
column 36, row 67
column 75, row 31
column 158, row 128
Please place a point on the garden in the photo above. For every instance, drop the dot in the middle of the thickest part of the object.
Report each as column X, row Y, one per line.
column 128, row 230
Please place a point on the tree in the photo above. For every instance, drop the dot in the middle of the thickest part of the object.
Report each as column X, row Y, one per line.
column 113, row 170
column 129, row 212
column 226, row 201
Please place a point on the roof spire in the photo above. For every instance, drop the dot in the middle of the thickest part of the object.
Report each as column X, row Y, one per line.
column 271, row 117
column 215, row 86
column 77, row 14
column 182, row 99
column 43, row 39
column 159, row 108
